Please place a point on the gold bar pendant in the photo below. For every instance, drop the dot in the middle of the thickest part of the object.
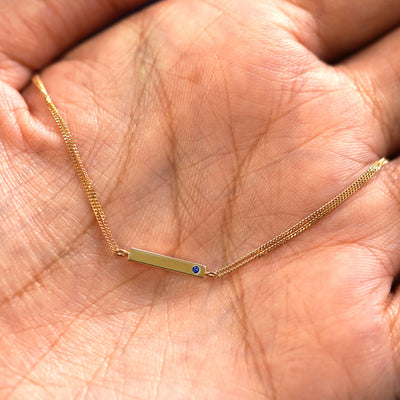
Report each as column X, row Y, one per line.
column 165, row 262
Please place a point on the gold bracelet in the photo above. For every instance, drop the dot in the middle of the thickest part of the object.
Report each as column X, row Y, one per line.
column 174, row 264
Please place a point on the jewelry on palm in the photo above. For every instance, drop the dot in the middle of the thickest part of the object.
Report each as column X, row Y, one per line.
column 174, row 264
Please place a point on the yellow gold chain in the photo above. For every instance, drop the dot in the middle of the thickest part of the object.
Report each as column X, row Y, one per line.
column 81, row 171
column 277, row 241
column 304, row 224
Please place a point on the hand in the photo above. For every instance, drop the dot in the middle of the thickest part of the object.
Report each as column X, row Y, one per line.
column 208, row 127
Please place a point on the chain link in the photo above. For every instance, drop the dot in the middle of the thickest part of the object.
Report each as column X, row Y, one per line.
column 81, row 171
column 303, row 225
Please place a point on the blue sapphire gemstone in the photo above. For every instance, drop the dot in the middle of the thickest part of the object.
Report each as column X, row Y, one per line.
column 196, row 269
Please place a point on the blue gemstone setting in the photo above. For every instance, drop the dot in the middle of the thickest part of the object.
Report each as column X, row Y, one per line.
column 196, row 269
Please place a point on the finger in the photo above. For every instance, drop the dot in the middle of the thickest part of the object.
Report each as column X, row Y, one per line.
column 38, row 31
column 332, row 29
column 375, row 73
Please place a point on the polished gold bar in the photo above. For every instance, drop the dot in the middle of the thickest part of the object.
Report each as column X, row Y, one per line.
column 165, row 262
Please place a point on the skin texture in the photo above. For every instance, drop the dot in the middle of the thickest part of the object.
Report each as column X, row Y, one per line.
column 208, row 127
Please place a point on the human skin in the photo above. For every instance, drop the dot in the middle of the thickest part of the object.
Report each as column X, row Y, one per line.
column 208, row 127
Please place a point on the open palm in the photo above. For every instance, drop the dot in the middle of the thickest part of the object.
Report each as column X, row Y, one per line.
column 208, row 127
